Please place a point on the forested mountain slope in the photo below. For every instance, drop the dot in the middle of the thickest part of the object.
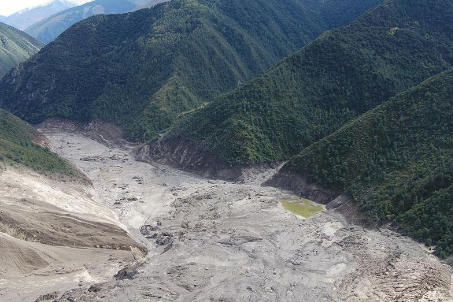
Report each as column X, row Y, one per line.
column 312, row 93
column 22, row 145
column 141, row 70
column 48, row 29
column 396, row 160
column 53, row 227
column 15, row 47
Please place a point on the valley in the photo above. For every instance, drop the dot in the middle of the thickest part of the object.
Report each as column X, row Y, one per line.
column 212, row 240
column 226, row 151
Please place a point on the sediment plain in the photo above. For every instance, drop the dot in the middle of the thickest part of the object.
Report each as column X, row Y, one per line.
column 213, row 240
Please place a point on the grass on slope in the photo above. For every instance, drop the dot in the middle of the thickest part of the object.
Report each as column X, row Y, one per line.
column 15, row 47
column 306, row 208
column 340, row 75
column 18, row 147
column 396, row 160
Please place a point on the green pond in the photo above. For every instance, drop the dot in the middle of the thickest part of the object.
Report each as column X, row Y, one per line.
column 305, row 208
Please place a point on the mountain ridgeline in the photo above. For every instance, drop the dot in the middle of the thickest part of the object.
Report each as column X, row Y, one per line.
column 312, row 93
column 142, row 70
column 15, row 47
column 396, row 161
column 27, row 17
column 50, row 28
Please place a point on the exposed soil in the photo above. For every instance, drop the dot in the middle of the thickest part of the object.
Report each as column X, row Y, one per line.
column 99, row 130
column 212, row 240
column 188, row 156
column 56, row 235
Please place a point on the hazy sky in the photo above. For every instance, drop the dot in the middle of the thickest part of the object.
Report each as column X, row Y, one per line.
column 7, row 7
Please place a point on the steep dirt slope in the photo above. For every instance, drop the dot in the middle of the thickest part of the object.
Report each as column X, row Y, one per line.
column 56, row 235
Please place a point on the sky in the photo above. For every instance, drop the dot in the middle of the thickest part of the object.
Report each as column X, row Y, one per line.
column 8, row 7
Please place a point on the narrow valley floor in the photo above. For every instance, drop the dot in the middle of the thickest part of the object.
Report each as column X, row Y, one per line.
column 221, row 241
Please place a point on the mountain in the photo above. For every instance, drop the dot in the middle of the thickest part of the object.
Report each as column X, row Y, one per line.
column 27, row 17
column 51, row 218
column 15, row 47
column 313, row 92
column 141, row 70
column 140, row 4
column 395, row 160
column 48, row 29
column 21, row 145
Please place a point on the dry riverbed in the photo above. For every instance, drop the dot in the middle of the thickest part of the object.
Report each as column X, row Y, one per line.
column 221, row 241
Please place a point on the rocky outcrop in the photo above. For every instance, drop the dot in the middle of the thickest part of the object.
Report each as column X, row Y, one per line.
column 301, row 186
column 105, row 133
column 188, row 156
column 338, row 203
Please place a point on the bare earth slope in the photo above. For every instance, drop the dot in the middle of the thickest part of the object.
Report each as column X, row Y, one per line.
column 55, row 236
column 221, row 241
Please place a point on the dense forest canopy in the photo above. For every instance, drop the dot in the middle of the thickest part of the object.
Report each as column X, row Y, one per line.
column 396, row 160
column 141, row 70
column 313, row 92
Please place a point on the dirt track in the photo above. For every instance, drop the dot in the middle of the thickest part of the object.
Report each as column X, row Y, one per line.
column 221, row 241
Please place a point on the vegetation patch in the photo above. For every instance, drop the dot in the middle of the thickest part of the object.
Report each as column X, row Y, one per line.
column 15, row 47
column 18, row 147
column 142, row 70
column 315, row 91
column 305, row 208
column 396, row 161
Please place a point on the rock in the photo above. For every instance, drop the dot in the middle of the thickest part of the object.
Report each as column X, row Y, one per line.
column 94, row 288
column 47, row 297
column 164, row 238
column 126, row 273
column 185, row 224
column 93, row 159
column 168, row 247
column 147, row 229
column 152, row 236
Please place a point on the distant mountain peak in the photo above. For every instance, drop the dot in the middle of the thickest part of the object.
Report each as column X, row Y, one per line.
column 52, row 3
column 15, row 47
column 31, row 15
column 129, row 61
column 51, row 27
column 78, row 2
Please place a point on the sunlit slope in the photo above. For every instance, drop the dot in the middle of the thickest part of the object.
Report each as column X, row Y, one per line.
column 396, row 160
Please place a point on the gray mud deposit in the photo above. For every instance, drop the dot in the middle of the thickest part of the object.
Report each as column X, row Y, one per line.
column 222, row 241
column 55, row 236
